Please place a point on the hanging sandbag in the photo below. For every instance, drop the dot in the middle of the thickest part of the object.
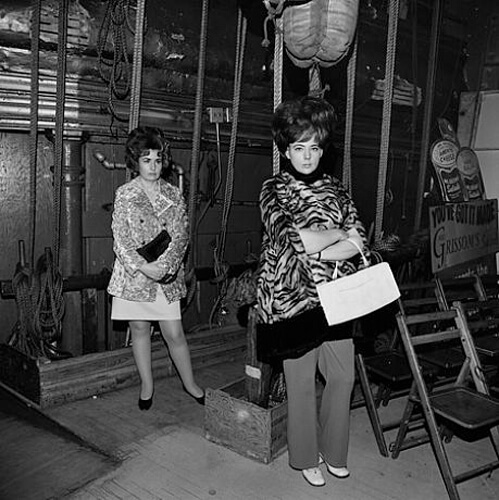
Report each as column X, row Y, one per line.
column 319, row 31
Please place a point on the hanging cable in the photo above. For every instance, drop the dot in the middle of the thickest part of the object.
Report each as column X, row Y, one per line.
column 59, row 122
column 393, row 13
column 347, row 151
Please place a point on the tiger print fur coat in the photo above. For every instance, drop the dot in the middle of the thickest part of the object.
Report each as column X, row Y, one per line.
column 287, row 279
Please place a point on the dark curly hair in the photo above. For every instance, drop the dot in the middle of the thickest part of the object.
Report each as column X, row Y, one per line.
column 302, row 119
column 140, row 141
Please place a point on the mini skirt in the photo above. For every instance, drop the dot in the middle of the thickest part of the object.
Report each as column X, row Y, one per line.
column 159, row 310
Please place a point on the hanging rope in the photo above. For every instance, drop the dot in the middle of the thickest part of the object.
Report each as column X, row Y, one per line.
column 112, row 32
column 347, row 151
column 137, row 66
column 220, row 266
column 229, row 181
column 393, row 12
column 274, row 14
column 59, row 122
column 33, row 126
column 278, row 75
column 314, row 81
column 196, row 134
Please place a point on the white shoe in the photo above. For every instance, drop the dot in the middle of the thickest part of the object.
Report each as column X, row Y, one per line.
column 339, row 472
column 313, row 476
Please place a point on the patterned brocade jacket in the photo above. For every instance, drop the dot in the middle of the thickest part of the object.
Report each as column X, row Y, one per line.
column 288, row 277
column 137, row 221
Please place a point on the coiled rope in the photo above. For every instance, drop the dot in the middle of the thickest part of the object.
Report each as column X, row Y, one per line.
column 40, row 307
column 393, row 12
column 24, row 337
column 49, row 305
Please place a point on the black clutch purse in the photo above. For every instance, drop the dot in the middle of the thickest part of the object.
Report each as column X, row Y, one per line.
column 155, row 248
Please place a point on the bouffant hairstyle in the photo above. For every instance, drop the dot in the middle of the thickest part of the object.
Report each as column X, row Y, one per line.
column 302, row 119
column 140, row 141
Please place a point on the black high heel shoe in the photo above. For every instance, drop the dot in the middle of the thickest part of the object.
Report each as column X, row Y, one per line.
column 145, row 404
column 200, row 399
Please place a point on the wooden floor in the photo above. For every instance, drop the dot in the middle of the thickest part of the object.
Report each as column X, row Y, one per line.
column 163, row 454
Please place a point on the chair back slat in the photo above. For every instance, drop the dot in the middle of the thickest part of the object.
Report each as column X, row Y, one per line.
column 428, row 317
column 440, row 336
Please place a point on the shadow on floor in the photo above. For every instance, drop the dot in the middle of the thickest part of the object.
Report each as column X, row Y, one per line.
column 40, row 459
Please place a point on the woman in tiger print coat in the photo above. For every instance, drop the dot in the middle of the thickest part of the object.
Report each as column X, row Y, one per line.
column 307, row 217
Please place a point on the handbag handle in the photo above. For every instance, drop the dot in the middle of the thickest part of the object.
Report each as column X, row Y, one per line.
column 354, row 243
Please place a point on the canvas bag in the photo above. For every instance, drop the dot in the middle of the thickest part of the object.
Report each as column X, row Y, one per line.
column 358, row 294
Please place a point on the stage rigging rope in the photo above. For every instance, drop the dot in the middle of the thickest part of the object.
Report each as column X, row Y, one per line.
column 137, row 66
column 33, row 126
column 114, row 25
column 196, row 134
column 59, row 122
column 220, row 267
column 347, row 152
column 278, row 74
column 229, row 181
column 393, row 12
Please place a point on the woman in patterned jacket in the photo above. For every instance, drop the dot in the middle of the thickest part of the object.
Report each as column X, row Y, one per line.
column 308, row 216
column 151, row 291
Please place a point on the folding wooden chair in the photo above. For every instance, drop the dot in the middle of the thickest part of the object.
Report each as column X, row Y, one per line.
column 481, row 320
column 389, row 370
column 463, row 404
column 486, row 336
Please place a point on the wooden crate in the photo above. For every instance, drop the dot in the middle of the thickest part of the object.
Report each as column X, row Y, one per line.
column 244, row 427
column 45, row 383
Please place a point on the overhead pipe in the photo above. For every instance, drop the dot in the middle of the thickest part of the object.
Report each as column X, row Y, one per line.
column 101, row 158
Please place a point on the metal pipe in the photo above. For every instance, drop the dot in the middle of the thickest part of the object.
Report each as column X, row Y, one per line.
column 101, row 158
column 71, row 250
column 428, row 111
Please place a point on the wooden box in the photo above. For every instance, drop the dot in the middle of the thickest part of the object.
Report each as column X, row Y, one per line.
column 46, row 383
column 244, row 427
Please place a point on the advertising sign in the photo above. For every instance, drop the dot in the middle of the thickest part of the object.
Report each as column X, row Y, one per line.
column 462, row 232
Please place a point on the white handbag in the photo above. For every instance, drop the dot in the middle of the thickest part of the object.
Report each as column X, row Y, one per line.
column 358, row 294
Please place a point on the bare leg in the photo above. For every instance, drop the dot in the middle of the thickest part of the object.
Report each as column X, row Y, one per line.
column 141, row 348
column 173, row 333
